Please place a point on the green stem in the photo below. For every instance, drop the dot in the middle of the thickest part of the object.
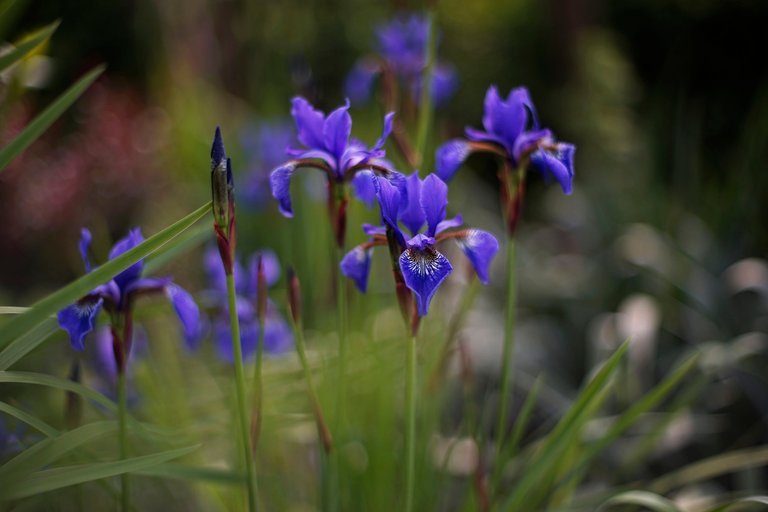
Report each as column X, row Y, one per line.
column 410, row 423
column 122, row 413
column 341, row 326
column 257, row 389
column 425, row 99
column 506, row 356
column 240, row 390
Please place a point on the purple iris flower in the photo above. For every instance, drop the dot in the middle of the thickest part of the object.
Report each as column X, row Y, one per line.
column 511, row 129
column 402, row 46
column 117, row 296
column 421, row 211
column 328, row 147
column 264, row 146
column 277, row 336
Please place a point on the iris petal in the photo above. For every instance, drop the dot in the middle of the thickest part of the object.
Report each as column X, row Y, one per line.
column 434, row 200
column 356, row 265
column 480, row 247
column 363, row 187
column 455, row 222
column 187, row 311
column 309, row 123
column 450, row 156
column 411, row 212
column 134, row 238
column 78, row 320
column 389, row 202
column 84, row 245
column 557, row 164
column 280, row 182
column 423, row 272
column 388, row 120
column 336, row 131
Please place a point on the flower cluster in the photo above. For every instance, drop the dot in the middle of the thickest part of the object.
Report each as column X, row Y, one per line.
column 117, row 297
column 401, row 51
column 277, row 336
column 421, row 209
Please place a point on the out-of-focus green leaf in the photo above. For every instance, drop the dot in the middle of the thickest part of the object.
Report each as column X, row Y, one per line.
column 30, row 420
column 46, row 118
column 25, row 344
column 42, row 379
column 184, row 472
column 43, row 309
column 51, row 479
column 27, row 46
column 744, row 504
column 643, row 499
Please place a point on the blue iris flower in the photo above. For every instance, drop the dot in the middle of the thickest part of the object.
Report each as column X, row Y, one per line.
column 264, row 145
column 328, row 147
column 117, row 295
column 277, row 336
column 401, row 49
column 511, row 128
column 421, row 210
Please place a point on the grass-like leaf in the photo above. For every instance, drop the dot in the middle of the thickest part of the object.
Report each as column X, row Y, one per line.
column 46, row 118
column 43, row 309
column 50, row 450
column 547, row 457
column 641, row 498
column 30, row 420
column 27, row 46
column 744, row 504
column 52, row 479
column 25, row 344
column 42, row 379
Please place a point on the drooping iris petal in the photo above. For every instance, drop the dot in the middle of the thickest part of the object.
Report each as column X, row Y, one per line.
column 278, row 337
column 411, row 212
column 450, row 156
column 434, row 200
column 388, row 120
column 133, row 272
column 424, row 271
column 356, row 265
column 187, row 311
column 359, row 82
column 78, row 320
column 557, row 164
column 280, row 182
column 84, row 246
column 480, row 247
column 309, row 123
column 336, row 131
column 363, row 187
column 455, row 222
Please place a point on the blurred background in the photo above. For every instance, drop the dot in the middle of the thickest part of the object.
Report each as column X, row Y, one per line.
column 663, row 240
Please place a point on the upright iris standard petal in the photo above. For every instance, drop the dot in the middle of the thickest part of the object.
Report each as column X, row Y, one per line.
column 85, row 246
column 280, row 182
column 187, row 311
column 411, row 212
column 356, row 265
column 134, row 238
column 336, row 131
column 450, row 156
column 480, row 247
column 389, row 202
column 309, row 123
column 424, row 270
column 556, row 163
column 78, row 320
column 434, row 200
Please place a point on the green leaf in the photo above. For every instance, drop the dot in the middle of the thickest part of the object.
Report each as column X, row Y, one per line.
column 30, row 420
column 51, row 449
column 52, row 479
column 744, row 504
column 42, row 379
column 41, row 123
column 547, row 458
column 43, row 309
column 643, row 499
column 27, row 46
column 184, row 472
column 25, row 344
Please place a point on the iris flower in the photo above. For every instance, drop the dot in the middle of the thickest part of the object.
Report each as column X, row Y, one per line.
column 421, row 210
column 511, row 129
column 277, row 336
column 329, row 148
column 264, row 145
column 117, row 297
column 401, row 50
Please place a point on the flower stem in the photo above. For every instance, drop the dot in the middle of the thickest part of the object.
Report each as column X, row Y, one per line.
column 425, row 98
column 240, row 390
column 256, row 414
column 122, row 412
column 410, row 423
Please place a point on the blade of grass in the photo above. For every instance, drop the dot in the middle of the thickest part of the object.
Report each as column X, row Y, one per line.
column 25, row 344
column 643, row 499
column 27, row 46
column 52, row 479
column 21, row 324
column 30, row 420
column 568, row 427
column 42, row 379
column 50, row 450
column 46, row 118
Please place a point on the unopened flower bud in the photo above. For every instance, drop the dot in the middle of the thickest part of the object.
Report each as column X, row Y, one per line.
column 221, row 184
